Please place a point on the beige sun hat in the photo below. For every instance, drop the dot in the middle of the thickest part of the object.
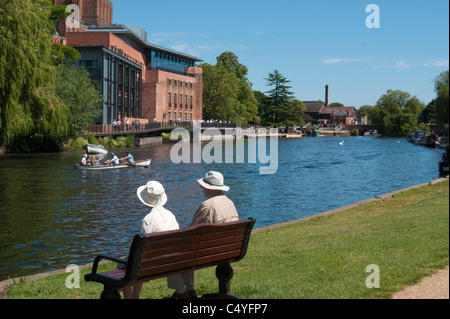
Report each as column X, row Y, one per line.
column 214, row 181
column 152, row 194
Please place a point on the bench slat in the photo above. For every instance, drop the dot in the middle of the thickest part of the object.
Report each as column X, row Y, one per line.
column 169, row 250
column 218, row 250
column 161, row 271
column 224, row 234
column 217, row 258
column 116, row 273
column 153, row 244
column 221, row 241
column 167, row 259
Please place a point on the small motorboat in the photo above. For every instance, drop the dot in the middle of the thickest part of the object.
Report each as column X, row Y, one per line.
column 144, row 163
column 294, row 134
column 94, row 149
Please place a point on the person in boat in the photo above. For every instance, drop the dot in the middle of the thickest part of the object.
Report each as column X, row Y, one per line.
column 217, row 208
column 83, row 161
column 89, row 161
column 127, row 159
column 159, row 219
column 114, row 160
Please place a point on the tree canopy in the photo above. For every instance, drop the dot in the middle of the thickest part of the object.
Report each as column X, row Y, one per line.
column 442, row 99
column 227, row 92
column 76, row 89
column 396, row 113
column 29, row 107
column 279, row 107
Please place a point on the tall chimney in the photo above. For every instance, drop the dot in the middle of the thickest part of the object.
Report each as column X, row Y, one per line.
column 326, row 95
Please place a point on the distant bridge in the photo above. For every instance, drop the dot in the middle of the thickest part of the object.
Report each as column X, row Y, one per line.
column 146, row 130
column 361, row 128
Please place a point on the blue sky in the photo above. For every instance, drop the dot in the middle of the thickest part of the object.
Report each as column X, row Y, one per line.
column 311, row 42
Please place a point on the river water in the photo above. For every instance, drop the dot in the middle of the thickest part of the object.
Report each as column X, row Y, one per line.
column 52, row 215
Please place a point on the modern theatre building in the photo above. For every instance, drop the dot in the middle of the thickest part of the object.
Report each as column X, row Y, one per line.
column 138, row 80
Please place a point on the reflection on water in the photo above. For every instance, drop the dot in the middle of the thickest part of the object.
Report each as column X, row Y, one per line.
column 53, row 215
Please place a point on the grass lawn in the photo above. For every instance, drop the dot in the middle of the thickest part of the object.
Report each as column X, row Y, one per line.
column 406, row 237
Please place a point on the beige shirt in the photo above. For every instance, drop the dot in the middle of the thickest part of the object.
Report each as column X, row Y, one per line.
column 217, row 209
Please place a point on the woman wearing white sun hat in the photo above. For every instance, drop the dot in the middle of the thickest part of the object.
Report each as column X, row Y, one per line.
column 159, row 219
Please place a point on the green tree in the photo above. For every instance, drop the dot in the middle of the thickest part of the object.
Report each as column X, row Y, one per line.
column 75, row 87
column 219, row 93
column 227, row 92
column 442, row 99
column 397, row 113
column 29, row 109
column 282, row 108
column 429, row 114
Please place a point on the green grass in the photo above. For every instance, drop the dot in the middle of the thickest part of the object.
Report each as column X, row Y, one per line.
column 406, row 236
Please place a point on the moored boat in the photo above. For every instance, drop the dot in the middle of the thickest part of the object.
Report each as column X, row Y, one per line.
column 94, row 149
column 294, row 134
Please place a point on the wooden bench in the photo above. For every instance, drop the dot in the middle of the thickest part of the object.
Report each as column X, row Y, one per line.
column 168, row 253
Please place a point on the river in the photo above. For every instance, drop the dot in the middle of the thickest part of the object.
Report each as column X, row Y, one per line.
column 53, row 215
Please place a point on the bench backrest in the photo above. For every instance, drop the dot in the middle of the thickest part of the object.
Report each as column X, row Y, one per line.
column 162, row 254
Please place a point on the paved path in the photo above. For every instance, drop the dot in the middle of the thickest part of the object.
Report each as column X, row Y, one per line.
column 433, row 287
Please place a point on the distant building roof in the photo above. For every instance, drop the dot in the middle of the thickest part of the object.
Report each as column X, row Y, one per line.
column 313, row 106
column 339, row 110
column 140, row 35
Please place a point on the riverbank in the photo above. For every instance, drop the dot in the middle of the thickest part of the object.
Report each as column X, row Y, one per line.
column 404, row 233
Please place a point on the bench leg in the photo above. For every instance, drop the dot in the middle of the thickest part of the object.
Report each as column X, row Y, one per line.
column 224, row 273
column 109, row 293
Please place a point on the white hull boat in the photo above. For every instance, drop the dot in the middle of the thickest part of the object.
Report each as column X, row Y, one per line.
column 144, row 164
column 94, row 149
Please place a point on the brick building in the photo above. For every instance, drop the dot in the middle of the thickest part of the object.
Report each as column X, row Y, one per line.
column 138, row 80
column 324, row 115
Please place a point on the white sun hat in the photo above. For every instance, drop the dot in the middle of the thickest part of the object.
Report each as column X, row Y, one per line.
column 214, row 181
column 152, row 194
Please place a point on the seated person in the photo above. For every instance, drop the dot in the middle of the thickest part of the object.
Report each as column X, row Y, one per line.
column 83, row 161
column 114, row 160
column 129, row 159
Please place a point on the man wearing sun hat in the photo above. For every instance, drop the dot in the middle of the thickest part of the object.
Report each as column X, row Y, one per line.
column 218, row 208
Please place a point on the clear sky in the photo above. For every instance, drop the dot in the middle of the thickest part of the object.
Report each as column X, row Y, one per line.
column 311, row 42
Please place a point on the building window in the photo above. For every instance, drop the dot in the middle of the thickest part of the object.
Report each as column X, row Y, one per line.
column 170, row 101
column 170, row 84
column 186, row 102
column 175, row 101
column 196, row 105
column 190, row 98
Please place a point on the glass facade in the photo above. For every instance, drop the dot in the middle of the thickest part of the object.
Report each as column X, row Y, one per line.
column 119, row 80
column 164, row 61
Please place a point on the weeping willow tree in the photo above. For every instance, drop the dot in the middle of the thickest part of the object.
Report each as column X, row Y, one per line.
column 31, row 115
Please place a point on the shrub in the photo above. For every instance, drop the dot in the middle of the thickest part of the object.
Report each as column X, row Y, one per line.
column 79, row 142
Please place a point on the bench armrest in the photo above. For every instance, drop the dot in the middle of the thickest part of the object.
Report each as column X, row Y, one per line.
column 107, row 257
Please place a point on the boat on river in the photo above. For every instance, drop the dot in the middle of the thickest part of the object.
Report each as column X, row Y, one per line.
column 294, row 134
column 94, row 149
column 144, row 163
